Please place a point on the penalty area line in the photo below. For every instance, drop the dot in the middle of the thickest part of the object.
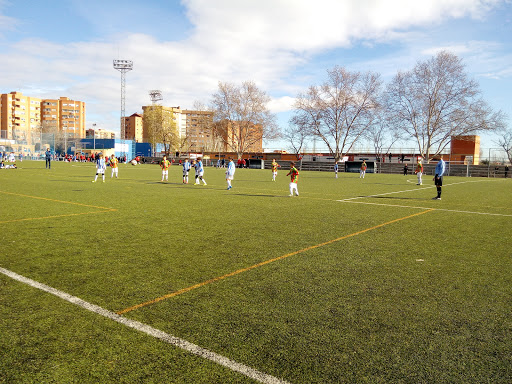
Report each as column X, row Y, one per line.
column 156, row 333
column 408, row 190
column 433, row 209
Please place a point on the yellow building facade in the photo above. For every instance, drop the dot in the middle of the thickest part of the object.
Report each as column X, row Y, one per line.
column 134, row 128
column 20, row 117
column 24, row 118
column 63, row 115
column 199, row 131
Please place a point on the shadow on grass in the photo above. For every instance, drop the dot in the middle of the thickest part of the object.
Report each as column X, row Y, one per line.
column 256, row 195
column 87, row 180
column 397, row 198
column 253, row 181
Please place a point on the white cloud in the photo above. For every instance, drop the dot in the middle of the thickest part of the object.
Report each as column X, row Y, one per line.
column 281, row 104
column 302, row 26
column 231, row 40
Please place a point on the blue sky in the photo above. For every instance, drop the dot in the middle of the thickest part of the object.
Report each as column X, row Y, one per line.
column 184, row 48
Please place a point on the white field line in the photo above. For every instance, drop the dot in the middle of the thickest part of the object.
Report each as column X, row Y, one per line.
column 432, row 208
column 408, row 190
column 350, row 200
column 175, row 341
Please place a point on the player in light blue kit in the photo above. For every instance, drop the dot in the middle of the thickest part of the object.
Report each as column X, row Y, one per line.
column 100, row 168
column 199, row 172
column 230, row 173
column 438, row 178
column 186, row 169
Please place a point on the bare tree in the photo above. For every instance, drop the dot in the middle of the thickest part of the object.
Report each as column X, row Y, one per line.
column 242, row 119
column 505, row 142
column 382, row 136
column 296, row 138
column 437, row 100
column 340, row 110
column 183, row 144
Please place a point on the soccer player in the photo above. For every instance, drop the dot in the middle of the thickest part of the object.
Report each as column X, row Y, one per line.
column 113, row 166
column 199, row 172
column 165, row 164
column 100, row 168
column 230, row 173
column 294, row 179
column 275, row 165
column 186, row 169
column 362, row 171
column 438, row 178
column 419, row 171
column 336, row 169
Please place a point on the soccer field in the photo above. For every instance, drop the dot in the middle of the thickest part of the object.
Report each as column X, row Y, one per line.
column 355, row 281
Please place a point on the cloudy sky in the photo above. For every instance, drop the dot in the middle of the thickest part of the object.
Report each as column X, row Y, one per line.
column 184, row 48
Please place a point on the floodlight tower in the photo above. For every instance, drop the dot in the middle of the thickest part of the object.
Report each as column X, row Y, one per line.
column 123, row 66
column 155, row 95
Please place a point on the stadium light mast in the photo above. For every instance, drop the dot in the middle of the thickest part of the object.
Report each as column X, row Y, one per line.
column 123, row 66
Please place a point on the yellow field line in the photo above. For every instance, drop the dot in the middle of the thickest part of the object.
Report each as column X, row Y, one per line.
column 58, row 201
column 55, row 216
column 176, row 293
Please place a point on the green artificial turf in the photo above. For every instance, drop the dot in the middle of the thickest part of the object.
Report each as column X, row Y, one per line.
column 368, row 280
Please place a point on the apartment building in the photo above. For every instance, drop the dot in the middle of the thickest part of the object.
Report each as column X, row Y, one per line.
column 199, row 131
column 99, row 134
column 194, row 128
column 241, row 137
column 24, row 118
column 134, row 128
column 63, row 115
column 20, row 117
